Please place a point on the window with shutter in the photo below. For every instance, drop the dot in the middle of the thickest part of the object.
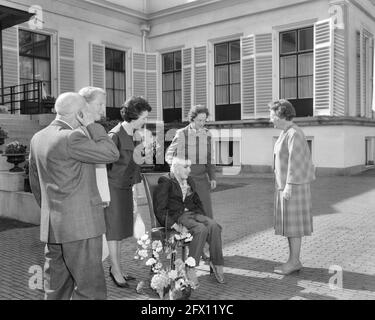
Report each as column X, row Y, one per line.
column 97, row 61
column 66, row 65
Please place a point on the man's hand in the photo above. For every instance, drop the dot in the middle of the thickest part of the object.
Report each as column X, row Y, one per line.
column 85, row 117
column 287, row 192
column 213, row 184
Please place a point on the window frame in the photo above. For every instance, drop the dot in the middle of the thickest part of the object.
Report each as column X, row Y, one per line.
column 113, row 70
column 177, row 110
column 228, row 63
column 34, row 57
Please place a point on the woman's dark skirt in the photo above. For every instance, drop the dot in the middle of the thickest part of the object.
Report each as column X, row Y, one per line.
column 119, row 214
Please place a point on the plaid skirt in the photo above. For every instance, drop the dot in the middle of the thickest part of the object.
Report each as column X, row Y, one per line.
column 293, row 218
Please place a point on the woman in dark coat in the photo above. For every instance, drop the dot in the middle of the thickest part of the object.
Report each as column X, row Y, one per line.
column 122, row 175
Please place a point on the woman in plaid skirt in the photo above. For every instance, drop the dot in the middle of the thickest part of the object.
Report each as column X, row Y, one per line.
column 293, row 172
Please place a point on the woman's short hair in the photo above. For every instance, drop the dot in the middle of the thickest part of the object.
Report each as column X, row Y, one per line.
column 134, row 107
column 283, row 109
column 197, row 109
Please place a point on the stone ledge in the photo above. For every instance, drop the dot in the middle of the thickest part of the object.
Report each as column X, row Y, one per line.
column 12, row 181
column 20, row 206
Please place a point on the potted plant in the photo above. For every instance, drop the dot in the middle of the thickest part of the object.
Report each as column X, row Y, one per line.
column 16, row 154
column 3, row 136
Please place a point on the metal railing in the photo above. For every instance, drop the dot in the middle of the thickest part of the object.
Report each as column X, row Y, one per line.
column 26, row 98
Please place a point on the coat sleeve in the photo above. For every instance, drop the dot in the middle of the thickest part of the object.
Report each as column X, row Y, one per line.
column 172, row 149
column 160, row 198
column 198, row 206
column 296, row 161
column 34, row 180
column 99, row 149
column 210, row 166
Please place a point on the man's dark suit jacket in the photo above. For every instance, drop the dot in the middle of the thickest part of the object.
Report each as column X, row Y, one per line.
column 168, row 202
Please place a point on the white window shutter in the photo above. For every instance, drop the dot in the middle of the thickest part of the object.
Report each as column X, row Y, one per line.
column 263, row 74
column 139, row 74
column 152, row 92
column 322, row 67
column 339, row 73
column 247, row 77
column 145, row 84
column 358, row 75
column 200, row 75
column 366, row 68
column 10, row 56
column 66, row 65
column 186, row 93
column 97, row 65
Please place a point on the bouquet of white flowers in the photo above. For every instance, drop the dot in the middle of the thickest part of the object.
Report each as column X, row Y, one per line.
column 170, row 275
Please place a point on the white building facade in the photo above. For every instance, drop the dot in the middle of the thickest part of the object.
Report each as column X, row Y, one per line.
column 234, row 56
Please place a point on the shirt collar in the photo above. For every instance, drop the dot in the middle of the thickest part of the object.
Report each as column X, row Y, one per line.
column 65, row 123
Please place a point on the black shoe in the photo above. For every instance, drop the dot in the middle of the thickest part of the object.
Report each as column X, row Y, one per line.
column 119, row 284
column 128, row 277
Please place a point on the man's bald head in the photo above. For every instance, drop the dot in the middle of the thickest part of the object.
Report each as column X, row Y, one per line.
column 69, row 103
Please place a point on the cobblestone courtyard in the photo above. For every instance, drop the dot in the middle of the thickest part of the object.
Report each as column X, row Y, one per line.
column 344, row 224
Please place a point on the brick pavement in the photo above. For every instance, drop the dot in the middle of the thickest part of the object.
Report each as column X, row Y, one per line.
column 344, row 220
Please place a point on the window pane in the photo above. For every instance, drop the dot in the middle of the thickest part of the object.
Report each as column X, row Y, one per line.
column 235, row 76
column 305, row 87
column 108, row 59
column 26, row 67
column 305, row 39
column 177, row 80
column 41, row 45
column 168, row 100
column 221, row 53
column 288, row 88
column 25, row 42
column 234, row 51
column 305, row 64
column 288, row 42
column 168, row 81
column 109, row 79
column 110, row 98
column 235, row 93
column 167, row 62
column 221, row 94
column 178, row 99
column 288, row 66
column 177, row 60
column 119, row 80
column 221, row 75
column 119, row 98
column 118, row 60
column 42, row 71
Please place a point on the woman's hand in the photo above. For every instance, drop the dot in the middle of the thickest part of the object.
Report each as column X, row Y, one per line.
column 213, row 184
column 287, row 192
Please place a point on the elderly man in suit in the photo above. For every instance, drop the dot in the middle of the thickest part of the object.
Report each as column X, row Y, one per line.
column 62, row 177
column 176, row 202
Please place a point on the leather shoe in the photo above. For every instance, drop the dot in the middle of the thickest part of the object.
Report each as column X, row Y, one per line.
column 218, row 272
column 128, row 277
column 119, row 284
column 286, row 271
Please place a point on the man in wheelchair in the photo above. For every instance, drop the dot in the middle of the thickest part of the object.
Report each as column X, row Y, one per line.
column 176, row 202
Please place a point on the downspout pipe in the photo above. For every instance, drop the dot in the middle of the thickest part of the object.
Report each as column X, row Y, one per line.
column 145, row 29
